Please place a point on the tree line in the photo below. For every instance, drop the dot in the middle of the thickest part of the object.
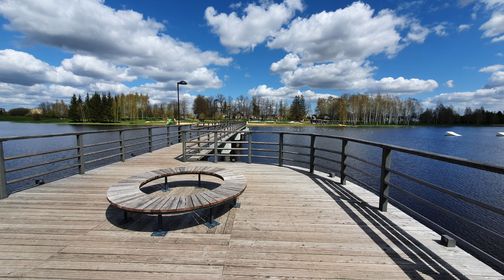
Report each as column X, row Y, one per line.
column 444, row 115
column 366, row 109
column 348, row 109
column 256, row 108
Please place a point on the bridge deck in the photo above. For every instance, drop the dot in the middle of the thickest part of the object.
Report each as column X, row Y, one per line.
column 290, row 224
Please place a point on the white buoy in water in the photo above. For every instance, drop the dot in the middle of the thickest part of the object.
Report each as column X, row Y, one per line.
column 452, row 133
column 501, row 134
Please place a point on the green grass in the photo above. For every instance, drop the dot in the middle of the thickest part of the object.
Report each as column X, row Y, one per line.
column 29, row 119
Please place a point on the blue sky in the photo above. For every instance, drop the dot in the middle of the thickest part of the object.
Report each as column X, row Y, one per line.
column 436, row 51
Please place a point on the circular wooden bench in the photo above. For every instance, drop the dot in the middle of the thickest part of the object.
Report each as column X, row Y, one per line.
column 128, row 196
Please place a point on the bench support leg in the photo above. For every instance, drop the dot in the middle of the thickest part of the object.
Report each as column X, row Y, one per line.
column 199, row 180
column 159, row 231
column 159, row 222
column 211, row 223
column 166, row 189
column 234, row 204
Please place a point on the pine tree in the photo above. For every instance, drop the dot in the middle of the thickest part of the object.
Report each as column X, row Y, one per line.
column 87, row 108
column 73, row 110
column 297, row 111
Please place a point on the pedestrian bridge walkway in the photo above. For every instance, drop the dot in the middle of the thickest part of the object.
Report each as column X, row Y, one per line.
column 290, row 224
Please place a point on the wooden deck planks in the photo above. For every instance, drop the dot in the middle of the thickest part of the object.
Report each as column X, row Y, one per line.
column 288, row 226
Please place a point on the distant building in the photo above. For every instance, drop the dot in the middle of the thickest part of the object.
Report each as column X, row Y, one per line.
column 36, row 111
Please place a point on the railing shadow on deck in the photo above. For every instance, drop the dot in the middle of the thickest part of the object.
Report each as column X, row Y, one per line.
column 422, row 261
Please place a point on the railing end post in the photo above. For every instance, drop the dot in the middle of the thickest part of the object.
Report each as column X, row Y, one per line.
column 249, row 140
column 312, row 153
column 384, row 179
column 80, row 151
column 3, row 180
column 344, row 144
column 121, row 143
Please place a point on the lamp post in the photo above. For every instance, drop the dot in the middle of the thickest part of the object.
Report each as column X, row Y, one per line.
column 178, row 100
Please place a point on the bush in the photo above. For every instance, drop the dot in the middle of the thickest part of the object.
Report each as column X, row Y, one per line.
column 19, row 111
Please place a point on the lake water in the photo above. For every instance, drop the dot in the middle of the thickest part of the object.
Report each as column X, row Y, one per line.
column 476, row 144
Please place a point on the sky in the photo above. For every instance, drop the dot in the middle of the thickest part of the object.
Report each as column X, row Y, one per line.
column 449, row 52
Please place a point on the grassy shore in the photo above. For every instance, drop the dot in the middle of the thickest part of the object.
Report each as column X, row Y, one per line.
column 28, row 119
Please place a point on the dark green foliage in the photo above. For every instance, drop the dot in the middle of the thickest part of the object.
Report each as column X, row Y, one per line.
column 297, row 111
column 74, row 111
column 19, row 112
column 201, row 107
column 256, row 112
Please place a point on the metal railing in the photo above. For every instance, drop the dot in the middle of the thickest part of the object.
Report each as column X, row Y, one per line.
column 117, row 144
column 198, row 144
column 336, row 152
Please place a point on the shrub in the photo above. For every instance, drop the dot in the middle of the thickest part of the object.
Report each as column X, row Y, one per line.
column 19, row 111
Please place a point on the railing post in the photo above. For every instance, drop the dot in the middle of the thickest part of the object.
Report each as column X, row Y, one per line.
column 385, row 177
column 3, row 179
column 249, row 139
column 167, row 136
column 121, row 143
column 215, row 147
column 280, row 148
column 150, row 139
column 184, row 145
column 179, row 136
column 344, row 144
column 80, row 151
column 312, row 153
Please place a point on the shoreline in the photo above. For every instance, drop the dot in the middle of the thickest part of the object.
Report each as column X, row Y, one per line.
column 249, row 123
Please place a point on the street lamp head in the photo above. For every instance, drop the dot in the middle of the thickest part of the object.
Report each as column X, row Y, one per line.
column 182, row 83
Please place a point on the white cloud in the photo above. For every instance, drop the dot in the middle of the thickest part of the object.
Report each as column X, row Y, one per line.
column 353, row 32
column 22, row 95
column 24, row 69
column 109, row 87
column 99, row 34
column 491, row 96
column 331, row 50
column 450, row 83
column 494, row 27
column 109, row 47
column 288, row 63
column 417, row 33
column 344, row 75
column 256, row 25
column 440, row 30
column 492, row 68
column 402, row 85
column 496, row 80
column 93, row 67
column 463, row 27
column 285, row 93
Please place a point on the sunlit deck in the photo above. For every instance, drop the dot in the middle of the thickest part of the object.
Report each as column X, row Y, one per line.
column 290, row 224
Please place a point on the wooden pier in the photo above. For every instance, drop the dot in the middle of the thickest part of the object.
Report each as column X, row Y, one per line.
column 291, row 224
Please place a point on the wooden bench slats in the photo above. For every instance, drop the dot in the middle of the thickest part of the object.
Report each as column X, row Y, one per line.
column 126, row 194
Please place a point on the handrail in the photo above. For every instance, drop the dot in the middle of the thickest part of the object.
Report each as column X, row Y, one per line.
column 78, row 151
column 425, row 154
column 278, row 156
